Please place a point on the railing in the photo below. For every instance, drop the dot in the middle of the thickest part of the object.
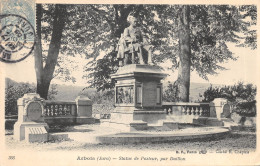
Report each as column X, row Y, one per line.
column 199, row 109
column 60, row 108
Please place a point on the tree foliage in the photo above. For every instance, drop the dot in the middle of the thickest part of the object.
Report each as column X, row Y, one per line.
column 211, row 27
column 102, row 71
column 92, row 31
column 105, row 97
column 170, row 93
column 239, row 91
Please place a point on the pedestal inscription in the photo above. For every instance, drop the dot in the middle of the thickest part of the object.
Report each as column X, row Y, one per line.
column 34, row 111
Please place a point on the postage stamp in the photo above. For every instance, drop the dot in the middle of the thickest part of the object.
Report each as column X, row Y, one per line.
column 24, row 8
column 17, row 30
column 17, row 38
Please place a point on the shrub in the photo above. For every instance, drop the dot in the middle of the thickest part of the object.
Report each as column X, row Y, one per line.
column 170, row 93
column 100, row 97
column 241, row 97
column 14, row 91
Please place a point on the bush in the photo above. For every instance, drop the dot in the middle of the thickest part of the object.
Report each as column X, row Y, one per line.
column 170, row 93
column 246, row 108
column 241, row 97
column 14, row 91
column 100, row 97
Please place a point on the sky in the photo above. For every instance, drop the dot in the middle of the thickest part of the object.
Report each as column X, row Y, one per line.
column 243, row 69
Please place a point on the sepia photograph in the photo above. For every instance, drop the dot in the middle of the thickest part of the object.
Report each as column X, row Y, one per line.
column 112, row 83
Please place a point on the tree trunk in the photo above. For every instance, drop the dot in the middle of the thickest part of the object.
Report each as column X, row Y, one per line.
column 183, row 80
column 45, row 75
column 38, row 52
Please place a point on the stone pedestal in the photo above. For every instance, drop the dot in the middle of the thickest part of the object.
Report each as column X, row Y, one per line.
column 30, row 118
column 138, row 97
column 219, row 108
column 84, row 110
column 220, row 114
column 36, row 134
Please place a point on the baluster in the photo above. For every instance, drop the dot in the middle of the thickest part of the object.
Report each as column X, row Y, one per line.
column 49, row 111
column 198, row 110
column 60, row 109
column 201, row 111
column 184, row 110
column 169, row 111
column 65, row 109
column 56, row 109
column 189, row 110
column 52, row 113
column 53, row 110
column 46, row 111
column 193, row 111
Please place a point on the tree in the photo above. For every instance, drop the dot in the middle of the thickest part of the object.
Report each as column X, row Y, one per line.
column 194, row 37
column 44, row 74
column 66, row 30
column 183, row 81
column 96, row 70
column 203, row 31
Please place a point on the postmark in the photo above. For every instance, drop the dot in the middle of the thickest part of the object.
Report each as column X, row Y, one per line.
column 17, row 38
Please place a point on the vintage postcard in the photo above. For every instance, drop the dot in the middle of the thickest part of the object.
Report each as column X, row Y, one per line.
column 129, row 82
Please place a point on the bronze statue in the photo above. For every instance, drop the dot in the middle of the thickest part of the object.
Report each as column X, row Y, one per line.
column 132, row 43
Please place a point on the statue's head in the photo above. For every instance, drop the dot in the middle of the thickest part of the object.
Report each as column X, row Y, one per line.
column 132, row 20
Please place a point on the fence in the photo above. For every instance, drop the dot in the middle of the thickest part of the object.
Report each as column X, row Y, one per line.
column 65, row 112
column 60, row 112
column 183, row 108
column 60, row 109
column 185, row 112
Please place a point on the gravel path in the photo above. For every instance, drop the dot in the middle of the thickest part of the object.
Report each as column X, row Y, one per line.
column 239, row 140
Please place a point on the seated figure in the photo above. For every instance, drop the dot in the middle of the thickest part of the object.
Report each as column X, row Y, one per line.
column 132, row 43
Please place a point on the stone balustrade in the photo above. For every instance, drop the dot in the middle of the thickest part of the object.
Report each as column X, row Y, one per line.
column 185, row 112
column 102, row 111
column 185, row 108
column 59, row 108
column 69, row 112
